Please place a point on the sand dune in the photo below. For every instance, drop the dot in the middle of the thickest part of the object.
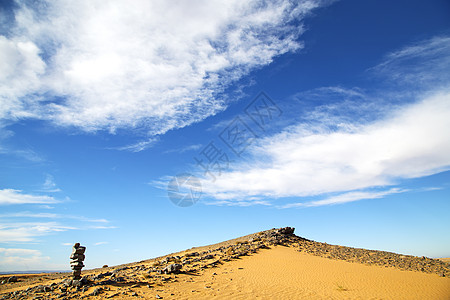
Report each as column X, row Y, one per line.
column 269, row 265
column 284, row 273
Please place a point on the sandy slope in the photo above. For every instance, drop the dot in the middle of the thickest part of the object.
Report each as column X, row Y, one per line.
column 284, row 273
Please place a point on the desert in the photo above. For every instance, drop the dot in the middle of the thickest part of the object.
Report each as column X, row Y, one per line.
column 272, row 264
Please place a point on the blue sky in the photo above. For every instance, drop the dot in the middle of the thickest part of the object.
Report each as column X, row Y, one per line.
column 329, row 116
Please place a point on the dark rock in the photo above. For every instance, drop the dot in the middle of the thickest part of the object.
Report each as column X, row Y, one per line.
column 77, row 283
column 173, row 268
column 102, row 275
column 115, row 271
column 109, row 281
column 77, row 256
column 12, row 279
column 66, row 282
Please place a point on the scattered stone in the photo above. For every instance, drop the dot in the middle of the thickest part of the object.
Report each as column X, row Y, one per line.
column 158, row 296
column 373, row 257
column 12, row 279
column 105, row 266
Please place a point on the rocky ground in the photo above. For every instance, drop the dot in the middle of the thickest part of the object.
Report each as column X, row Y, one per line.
column 144, row 279
column 379, row 258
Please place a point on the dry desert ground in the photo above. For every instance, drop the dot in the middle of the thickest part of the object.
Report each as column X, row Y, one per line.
column 273, row 264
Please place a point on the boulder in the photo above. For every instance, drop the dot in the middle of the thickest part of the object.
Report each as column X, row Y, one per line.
column 286, row 230
column 172, row 268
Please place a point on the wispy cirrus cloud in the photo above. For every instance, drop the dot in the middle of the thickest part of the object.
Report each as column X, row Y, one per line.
column 12, row 196
column 29, row 231
column 27, row 214
column 153, row 66
column 185, row 149
column 50, row 185
column 27, row 154
column 100, row 243
column 423, row 64
column 19, row 259
column 27, row 227
column 346, row 198
column 137, row 147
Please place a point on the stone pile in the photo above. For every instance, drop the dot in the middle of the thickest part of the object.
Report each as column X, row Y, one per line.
column 77, row 258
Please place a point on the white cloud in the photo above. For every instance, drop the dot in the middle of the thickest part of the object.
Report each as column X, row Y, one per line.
column 17, row 259
column 185, row 149
column 50, row 185
column 154, row 65
column 27, row 154
column 420, row 65
column 357, row 140
column 26, row 214
column 101, row 227
column 21, row 68
column 242, row 203
column 15, row 251
column 346, row 197
column 306, row 160
column 100, row 243
column 139, row 146
column 28, row 231
column 11, row 196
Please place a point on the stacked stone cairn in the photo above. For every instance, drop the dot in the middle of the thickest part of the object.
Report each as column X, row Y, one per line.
column 77, row 258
